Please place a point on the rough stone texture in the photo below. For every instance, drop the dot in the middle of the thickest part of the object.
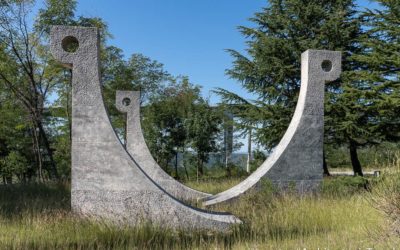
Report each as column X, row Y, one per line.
column 106, row 182
column 298, row 157
column 137, row 148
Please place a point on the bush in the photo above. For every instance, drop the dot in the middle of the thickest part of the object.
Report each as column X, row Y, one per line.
column 342, row 186
column 385, row 197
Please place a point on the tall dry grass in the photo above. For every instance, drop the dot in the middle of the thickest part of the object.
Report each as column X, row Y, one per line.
column 342, row 216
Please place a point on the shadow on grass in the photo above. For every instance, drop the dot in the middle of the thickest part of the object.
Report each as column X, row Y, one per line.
column 20, row 199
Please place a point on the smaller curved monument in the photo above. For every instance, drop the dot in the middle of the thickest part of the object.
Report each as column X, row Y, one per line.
column 298, row 157
column 129, row 102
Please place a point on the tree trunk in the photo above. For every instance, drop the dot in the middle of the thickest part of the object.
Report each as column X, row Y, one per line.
column 228, row 141
column 53, row 169
column 324, row 165
column 176, row 166
column 69, row 90
column 37, row 153
column 355, row 162
column 184, row 165
column 200, row 167
column 248, row 152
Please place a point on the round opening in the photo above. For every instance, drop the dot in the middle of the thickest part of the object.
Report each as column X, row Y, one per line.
column 70, row 44
column 126, row 101
column 326, row 65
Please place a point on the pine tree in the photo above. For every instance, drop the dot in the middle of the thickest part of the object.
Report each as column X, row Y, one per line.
column 381, row 57
column 366, row 111
column 271, row 68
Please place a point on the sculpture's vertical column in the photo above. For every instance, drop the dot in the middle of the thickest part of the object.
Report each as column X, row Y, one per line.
column 129, row 102
column 300, row 164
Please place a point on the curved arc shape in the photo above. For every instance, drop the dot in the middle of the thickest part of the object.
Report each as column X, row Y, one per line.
column 298, row 156
column 129, row 102
column 106, row 181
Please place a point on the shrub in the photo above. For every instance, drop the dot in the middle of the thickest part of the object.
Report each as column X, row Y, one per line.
column 385, row 197
column 342, row 186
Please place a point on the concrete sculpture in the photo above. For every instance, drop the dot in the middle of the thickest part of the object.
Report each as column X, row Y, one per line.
column 106, row 182
column 298, row 157
column 129, row 102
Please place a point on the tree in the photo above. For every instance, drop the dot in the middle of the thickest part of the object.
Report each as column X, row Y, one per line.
column 139, row 73
column 365, row 112
column 271, row 68
column 25, row 72
column 381, row 46
column 202, row 125
column 164, row 120
column 15, row 140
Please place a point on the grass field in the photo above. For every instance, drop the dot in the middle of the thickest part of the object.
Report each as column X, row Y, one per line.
column 342, row 216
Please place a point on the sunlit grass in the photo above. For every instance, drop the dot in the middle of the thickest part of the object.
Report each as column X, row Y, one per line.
column 340, row 217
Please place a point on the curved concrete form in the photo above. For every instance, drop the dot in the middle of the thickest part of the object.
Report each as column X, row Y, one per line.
column 106, row 182
column 129, row 102
column 297, row 160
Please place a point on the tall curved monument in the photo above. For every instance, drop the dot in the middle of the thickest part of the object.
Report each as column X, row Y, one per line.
column 298, row 157
column 107, row 183
column 129, row 102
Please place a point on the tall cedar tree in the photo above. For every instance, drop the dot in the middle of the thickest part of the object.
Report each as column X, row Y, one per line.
column 381, row 57
column 271, row 69
column 366, row 111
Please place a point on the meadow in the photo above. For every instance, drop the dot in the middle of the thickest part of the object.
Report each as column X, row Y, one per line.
column 348, row 213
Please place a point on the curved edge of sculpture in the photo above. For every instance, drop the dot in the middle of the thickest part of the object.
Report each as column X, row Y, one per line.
column 106, row 182
column 129, row 102
column 297, row 158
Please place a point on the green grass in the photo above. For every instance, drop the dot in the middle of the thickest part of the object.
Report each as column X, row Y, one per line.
column 340, row 217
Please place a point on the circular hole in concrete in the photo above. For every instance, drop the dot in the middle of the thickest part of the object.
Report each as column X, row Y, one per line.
column 70, row 44
column 326, row 65
column 126, row 101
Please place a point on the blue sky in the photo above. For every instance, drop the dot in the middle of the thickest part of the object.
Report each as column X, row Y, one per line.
column 188, row 36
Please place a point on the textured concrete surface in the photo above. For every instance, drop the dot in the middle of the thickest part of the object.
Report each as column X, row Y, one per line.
column 107, row 183
column 129, row 102
column 297, row 160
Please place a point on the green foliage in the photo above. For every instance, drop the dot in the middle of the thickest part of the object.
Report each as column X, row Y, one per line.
column 258, row 158
column 180, row 120
column 271, row 71
column 56, row 13
column 360, row 108
column 372, row 157
column 139, row 73
column 381, row 70
column 202, row 130
column 344, row 186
